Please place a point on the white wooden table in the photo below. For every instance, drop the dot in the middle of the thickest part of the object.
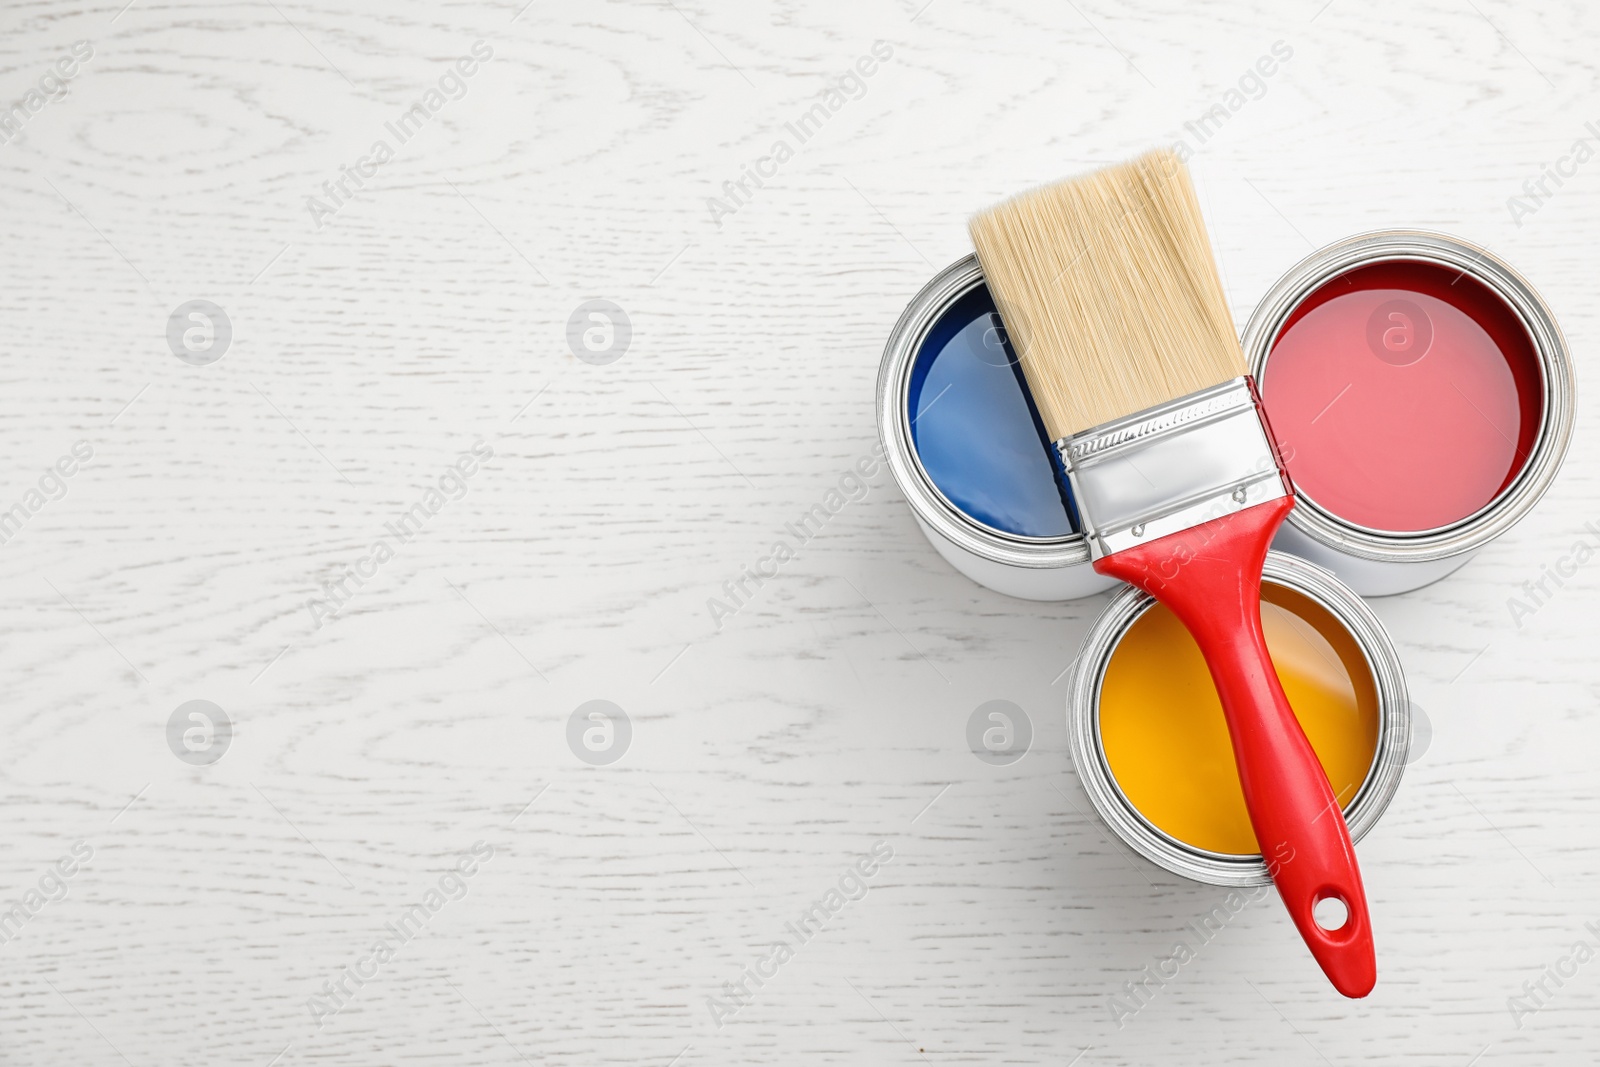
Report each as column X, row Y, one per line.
column 378, row 737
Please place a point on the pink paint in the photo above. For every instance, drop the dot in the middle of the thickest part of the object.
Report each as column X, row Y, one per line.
column 1405, row 396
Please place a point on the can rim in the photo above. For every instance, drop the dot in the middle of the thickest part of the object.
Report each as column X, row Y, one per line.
column 894, row 430
column 1362, row 812
column 1550, row 348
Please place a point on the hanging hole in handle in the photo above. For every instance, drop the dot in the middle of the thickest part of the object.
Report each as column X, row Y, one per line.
column 1330, row 912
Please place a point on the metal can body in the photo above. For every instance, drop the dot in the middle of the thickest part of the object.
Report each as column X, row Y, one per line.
column 1213, row 868
column 1377, row 562
column 1027, row 567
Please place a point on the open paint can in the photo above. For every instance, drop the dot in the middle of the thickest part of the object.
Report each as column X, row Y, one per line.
column 1421, row 395
column 1151, row 746
column 968, row 450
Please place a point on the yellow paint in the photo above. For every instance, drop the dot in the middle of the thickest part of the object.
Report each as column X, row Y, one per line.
column 1167, row 743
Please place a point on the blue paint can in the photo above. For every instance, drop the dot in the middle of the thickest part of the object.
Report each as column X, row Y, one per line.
column 968, row 450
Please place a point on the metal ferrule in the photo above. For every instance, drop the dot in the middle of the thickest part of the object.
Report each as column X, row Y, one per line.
column 1172, row 467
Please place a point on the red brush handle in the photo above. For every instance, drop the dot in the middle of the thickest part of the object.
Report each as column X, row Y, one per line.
column 1210, row 577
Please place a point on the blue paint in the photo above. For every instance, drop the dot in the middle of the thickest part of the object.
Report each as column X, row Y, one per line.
column 975, row 427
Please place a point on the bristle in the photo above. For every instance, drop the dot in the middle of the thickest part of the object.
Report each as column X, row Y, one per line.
column 1109, row 293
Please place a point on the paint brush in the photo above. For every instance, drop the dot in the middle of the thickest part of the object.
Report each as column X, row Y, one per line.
column 1110, row 297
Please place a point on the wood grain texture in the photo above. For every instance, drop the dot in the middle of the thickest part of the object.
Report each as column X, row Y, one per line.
column 430, row 313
